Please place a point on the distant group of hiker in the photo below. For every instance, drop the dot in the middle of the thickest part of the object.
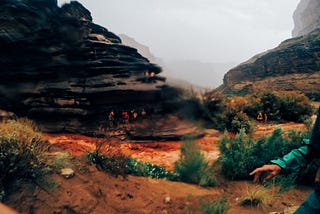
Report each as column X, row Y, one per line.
column 124, row 117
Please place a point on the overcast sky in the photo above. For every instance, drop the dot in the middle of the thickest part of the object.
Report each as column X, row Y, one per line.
column 203, row 30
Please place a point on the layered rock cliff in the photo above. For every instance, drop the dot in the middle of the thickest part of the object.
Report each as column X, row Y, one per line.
column 306, row 17
column 293, row 65
column 60, row 68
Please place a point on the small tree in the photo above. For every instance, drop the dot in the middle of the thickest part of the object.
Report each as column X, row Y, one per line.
column 193, row 167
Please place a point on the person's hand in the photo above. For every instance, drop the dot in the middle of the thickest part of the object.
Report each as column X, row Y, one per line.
column 272, row 169
column 4, row 209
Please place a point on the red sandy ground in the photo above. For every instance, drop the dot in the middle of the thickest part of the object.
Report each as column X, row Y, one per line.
column 160, row 153
column 92, row 191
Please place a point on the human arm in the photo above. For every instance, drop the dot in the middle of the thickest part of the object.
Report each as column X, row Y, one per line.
column 273, row 170
column 292, row 162
column 6, row 210
column 295, row 160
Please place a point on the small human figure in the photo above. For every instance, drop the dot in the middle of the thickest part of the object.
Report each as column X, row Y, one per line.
column 111, row 118
column 259, row 117
column 152, row 76
column 265, row 118
column 143, row 113
column 125, row 117
column 147, row 76
column 133, row 114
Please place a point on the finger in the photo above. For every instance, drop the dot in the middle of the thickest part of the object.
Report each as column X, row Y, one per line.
column 256, row 178
column 257, row 170
column 271, row 175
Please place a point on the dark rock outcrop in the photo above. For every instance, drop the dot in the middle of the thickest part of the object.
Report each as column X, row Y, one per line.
column 306, row 17
column 293, row 65
column 61, row 69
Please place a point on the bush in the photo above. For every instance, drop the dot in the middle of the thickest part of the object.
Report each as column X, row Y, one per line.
column 256, row 196
column 138, row 168
column 234, row 155
column 214, row 207
column 281, row 105
column 224, row 113
column 115, row 164
column 241, row 121
column 22, row 151
column 241, row 155
column 295, row 106
column 193, row 167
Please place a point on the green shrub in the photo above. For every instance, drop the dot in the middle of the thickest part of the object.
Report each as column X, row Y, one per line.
column 193, row 167
column 115, row 164
column 139, row 168
column 241, row 121
column 61, row 160
column 295, row 106
column 239, row 156
column 22, row 151
column 281, row 105
column 224, row 113
column 214, row 207
column 234, row 155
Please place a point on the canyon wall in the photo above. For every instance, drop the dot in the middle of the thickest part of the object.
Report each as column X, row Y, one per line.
column 60, row 68
column 306, row 17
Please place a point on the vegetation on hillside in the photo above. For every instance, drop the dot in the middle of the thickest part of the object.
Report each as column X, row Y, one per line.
column 234, row 113
column 22, row 153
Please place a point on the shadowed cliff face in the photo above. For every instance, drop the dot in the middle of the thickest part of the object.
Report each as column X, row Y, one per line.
column 60, row 68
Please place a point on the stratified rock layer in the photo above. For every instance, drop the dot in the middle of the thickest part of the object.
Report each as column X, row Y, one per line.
column 60, row 68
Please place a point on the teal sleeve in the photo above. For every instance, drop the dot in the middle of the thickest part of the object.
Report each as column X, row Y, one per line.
column 295, row 160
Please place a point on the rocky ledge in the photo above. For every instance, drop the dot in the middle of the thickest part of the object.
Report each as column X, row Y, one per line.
column 68, row 73
column 293, row 65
